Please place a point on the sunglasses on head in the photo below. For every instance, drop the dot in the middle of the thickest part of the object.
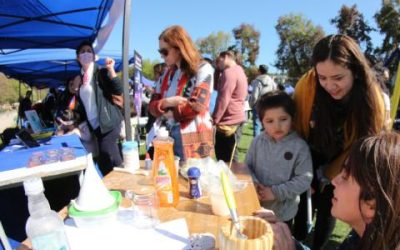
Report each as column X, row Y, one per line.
column 163, row 51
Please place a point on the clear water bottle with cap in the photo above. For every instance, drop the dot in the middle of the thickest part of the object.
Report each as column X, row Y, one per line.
column 44, row 227
column 130, row 153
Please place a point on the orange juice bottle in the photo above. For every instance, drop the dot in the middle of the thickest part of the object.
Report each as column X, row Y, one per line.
column 164, row 171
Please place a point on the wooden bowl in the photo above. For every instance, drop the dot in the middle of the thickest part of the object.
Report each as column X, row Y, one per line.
column 258, row 231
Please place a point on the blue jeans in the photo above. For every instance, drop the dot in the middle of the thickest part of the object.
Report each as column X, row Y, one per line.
column 256, row 123
column 176, row 135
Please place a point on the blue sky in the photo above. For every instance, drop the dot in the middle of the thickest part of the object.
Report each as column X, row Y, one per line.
column 201, row 18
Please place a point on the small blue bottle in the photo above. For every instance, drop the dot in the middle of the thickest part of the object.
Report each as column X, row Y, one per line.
column 194, row 185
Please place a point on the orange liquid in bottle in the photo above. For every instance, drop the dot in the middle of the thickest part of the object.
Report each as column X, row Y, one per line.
column 164, row 171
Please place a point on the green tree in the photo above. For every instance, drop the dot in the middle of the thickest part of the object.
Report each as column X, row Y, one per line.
column 147, row 68
column 388, row 21
column 214, row 43
column 351, row 22
column 247, row 41
column 251, row 72
column 297, row 39
column 11, row 91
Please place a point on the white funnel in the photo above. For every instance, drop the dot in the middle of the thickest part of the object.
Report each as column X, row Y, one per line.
column 93, row 195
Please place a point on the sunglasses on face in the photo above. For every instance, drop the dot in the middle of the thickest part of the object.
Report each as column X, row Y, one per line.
column 163, row 52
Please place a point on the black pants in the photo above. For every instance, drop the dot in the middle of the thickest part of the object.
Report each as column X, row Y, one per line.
column 224, row 145
column 109, row 153
column 325, row 222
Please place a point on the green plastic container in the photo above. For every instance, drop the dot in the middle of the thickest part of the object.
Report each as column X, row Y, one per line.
column 95, row 218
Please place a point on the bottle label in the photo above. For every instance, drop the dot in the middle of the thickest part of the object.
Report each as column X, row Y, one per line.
column 55, row 240
column 163, row 183
column 131, row 159
column 170, row 197
column 194, row 189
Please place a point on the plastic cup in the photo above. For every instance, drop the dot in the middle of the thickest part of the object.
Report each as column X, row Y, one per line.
column 145, row 206
column 218, row 203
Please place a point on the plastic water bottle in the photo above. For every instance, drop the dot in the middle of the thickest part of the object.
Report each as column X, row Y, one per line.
column 130, row 153
column 44, row 227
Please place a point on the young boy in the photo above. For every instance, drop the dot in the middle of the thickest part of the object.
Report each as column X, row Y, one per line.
column 278, row 159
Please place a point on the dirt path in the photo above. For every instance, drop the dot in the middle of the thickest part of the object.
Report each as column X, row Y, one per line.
column 7, row 119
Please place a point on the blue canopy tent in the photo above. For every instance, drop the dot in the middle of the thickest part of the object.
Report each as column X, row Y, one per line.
column 36, row 24
column 46, row 68
column 27, row 24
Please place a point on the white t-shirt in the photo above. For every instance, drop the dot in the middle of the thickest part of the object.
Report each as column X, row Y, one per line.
column 88, row 98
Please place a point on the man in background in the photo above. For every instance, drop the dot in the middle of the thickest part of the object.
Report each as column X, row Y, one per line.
column 262, row 84
column 24, row 105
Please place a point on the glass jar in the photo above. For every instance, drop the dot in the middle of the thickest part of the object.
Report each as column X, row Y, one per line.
column 145, row 206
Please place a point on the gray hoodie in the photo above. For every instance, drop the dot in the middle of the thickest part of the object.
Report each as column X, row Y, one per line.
column 261, row 85
column 285, row 166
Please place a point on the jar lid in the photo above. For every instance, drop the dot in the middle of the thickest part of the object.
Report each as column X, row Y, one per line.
column 193, row 172
column 142, row 190
column 129, row 145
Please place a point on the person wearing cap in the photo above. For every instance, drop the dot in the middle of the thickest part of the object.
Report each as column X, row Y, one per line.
column 262, row 84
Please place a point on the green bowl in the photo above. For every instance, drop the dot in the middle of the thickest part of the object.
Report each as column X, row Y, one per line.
column 73, row 211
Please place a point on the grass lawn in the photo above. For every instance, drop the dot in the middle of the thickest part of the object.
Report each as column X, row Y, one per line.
column 341, row 229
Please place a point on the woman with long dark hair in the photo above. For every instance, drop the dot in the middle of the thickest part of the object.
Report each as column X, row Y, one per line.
column 338, row 102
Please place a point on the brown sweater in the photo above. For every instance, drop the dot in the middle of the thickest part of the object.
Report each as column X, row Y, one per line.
column 232, row 91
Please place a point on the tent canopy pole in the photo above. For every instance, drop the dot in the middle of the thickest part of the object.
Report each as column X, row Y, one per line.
column 125, row 69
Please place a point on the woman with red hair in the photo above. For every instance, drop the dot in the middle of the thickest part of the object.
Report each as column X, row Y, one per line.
column 182, row 95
